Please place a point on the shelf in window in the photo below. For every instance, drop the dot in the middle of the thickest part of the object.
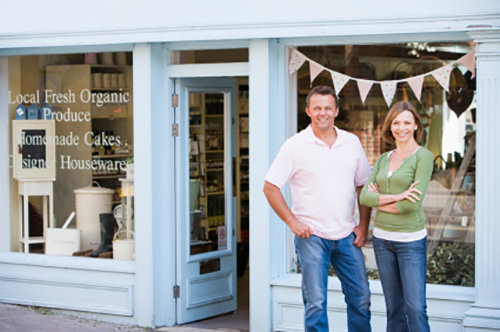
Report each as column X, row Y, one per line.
column 115, row 176
column 214, row 115
column 34, row 239
column 244, row 156
column 214, row 151
column 112, row 156
column 110, row 66
column 111, row 89
column 215, row 193
column 215, row 169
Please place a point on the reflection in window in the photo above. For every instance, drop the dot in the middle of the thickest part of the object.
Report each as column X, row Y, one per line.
column 80, row 197
column 449, row 124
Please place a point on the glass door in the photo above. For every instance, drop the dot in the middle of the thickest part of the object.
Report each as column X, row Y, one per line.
column 206, row 215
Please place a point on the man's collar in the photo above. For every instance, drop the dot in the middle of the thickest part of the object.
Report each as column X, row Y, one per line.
column 310, row 137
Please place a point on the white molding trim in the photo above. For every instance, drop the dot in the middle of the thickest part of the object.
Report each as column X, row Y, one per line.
column 67, row 49
column 72, row 302
column 410, row 24
column 434, row 292
column 207, row 45
column 70, row 262
column 213, row 298
column 5, row 179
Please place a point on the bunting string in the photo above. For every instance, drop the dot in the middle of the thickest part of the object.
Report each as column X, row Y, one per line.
column 442, row 75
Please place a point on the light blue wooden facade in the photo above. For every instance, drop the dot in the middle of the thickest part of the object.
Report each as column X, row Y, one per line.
column 140, row 292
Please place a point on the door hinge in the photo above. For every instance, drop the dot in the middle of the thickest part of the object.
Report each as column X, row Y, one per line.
column 177, row 291
column 175, row 130
column 175, row 100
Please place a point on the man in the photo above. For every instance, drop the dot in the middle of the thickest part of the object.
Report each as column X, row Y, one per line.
column 326, row 168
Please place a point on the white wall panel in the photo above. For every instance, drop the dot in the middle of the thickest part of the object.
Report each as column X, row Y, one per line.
column 68, row 288
column 444, row 315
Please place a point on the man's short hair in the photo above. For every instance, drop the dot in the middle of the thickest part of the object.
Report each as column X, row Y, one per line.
column 324, row 91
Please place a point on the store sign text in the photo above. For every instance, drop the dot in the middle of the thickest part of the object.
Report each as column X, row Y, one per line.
column 86, row 96
column 90, row 138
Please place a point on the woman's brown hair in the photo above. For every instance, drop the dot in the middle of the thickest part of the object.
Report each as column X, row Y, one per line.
column 397, row 108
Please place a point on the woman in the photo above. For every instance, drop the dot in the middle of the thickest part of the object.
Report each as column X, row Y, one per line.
column 396, row 189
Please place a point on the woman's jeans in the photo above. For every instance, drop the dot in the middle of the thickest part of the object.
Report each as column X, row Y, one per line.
column 315, row 255
column 402, row 267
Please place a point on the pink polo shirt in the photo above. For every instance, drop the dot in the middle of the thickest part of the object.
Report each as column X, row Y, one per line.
column 322, row 180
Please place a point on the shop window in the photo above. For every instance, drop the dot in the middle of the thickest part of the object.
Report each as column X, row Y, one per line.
column 449, row 133
column 209, row 56
column 72, row 187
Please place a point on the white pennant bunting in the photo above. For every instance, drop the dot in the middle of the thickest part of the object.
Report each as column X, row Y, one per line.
column 389, row 90
column 364, row 87
column 442, row 75
column 339, row 80
column 469, row 61
column 416, row 84
column 314, row 70
column 297, row 59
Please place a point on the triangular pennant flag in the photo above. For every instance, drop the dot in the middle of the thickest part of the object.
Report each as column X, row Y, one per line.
column 314, row 70
column 297, row 59
column 469, row 61
column 388, row 90
column 364, row 87
column 339, row 80
column 416, row 84
column 442, row 75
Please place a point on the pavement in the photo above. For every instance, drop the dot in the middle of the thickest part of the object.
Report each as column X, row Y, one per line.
column 17, row 318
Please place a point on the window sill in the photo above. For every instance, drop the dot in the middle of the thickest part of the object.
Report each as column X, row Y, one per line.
column 77, row 263
column 435, row 292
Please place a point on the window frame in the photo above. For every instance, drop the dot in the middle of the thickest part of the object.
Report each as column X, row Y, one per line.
column 288, row 278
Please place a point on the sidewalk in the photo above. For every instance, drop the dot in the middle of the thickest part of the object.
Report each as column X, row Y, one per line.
column 14, row 318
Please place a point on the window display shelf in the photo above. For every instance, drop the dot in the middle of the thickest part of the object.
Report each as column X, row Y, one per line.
column 215, row 193
column 111, row 89
column 34, row 240
column 116, row 176
column 111, row 156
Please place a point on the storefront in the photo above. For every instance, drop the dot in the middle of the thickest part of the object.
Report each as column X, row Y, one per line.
column 158, row 137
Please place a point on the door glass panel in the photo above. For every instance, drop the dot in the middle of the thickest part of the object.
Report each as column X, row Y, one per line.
column 207, row 172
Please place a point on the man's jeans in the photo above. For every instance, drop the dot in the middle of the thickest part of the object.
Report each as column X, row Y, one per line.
column 315, row 255
column 402, row 267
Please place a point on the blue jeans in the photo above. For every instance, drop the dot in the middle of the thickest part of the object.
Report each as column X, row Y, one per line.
column 402, row 267
column 315, row 255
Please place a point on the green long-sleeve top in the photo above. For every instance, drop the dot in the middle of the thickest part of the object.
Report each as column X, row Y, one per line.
column 417, row 167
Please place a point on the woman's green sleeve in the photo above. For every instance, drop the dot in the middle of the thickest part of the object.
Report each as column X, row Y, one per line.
column 423, row 172
column 367, row 197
